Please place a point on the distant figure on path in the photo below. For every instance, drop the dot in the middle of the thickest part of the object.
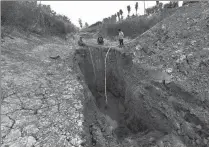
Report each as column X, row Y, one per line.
column 120, row 36
column 80, row 42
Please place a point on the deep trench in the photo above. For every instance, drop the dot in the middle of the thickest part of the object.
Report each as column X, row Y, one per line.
column 92, row 65
column 137, row 103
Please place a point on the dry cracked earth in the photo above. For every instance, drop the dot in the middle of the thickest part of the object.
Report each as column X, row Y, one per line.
column 41, row 97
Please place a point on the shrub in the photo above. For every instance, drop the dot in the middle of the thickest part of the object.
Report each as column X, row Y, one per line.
column 189, row 2
column 171, row 5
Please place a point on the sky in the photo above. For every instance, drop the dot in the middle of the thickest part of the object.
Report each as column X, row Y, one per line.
column 93, row 11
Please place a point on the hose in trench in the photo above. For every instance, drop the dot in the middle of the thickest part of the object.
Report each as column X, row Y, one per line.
column 106, row 100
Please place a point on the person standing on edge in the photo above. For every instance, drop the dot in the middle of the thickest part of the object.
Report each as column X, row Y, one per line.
column 120, row 36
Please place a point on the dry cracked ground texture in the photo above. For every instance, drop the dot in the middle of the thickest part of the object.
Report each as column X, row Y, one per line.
column 41, row 98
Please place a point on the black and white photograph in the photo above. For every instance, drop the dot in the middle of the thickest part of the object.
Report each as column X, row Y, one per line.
column 104, row 73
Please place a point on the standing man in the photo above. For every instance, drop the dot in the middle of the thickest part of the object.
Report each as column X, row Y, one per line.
column 120, row 36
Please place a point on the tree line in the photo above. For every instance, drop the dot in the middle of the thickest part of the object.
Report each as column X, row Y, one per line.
column 112, row 18
column 135, row 25
column 118, row 16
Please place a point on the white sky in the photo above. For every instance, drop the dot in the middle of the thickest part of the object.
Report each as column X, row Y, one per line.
column 93, row 11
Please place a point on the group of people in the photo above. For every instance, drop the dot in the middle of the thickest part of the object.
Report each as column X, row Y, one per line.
column 100, row 40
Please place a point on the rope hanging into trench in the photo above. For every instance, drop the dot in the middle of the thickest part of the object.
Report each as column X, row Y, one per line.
column 106, row 76
column 106, row 99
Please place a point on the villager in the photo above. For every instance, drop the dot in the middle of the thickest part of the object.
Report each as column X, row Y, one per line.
column 120, row 36
column 80, row 42
column 100, row 40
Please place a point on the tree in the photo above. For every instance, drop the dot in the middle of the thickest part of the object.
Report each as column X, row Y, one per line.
column 118, row 14
column 129, row 10
column 86, row 25
column 121, row 13
column 80, row 23
column 105, row 20
column 53, row 13
column 175, row 4
column 136, row 7
column 115, row 16
column 109, row 20
column 188, row 2
column 66, row 19
column 121, row 17
column 113, row 19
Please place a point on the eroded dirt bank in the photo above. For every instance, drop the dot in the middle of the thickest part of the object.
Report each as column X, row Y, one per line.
column 138, row 104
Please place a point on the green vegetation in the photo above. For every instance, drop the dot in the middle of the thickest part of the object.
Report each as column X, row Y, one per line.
column 36, row 18
column 136, row 7
column 189, row 2
column 80, row 23
column 129, row 10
